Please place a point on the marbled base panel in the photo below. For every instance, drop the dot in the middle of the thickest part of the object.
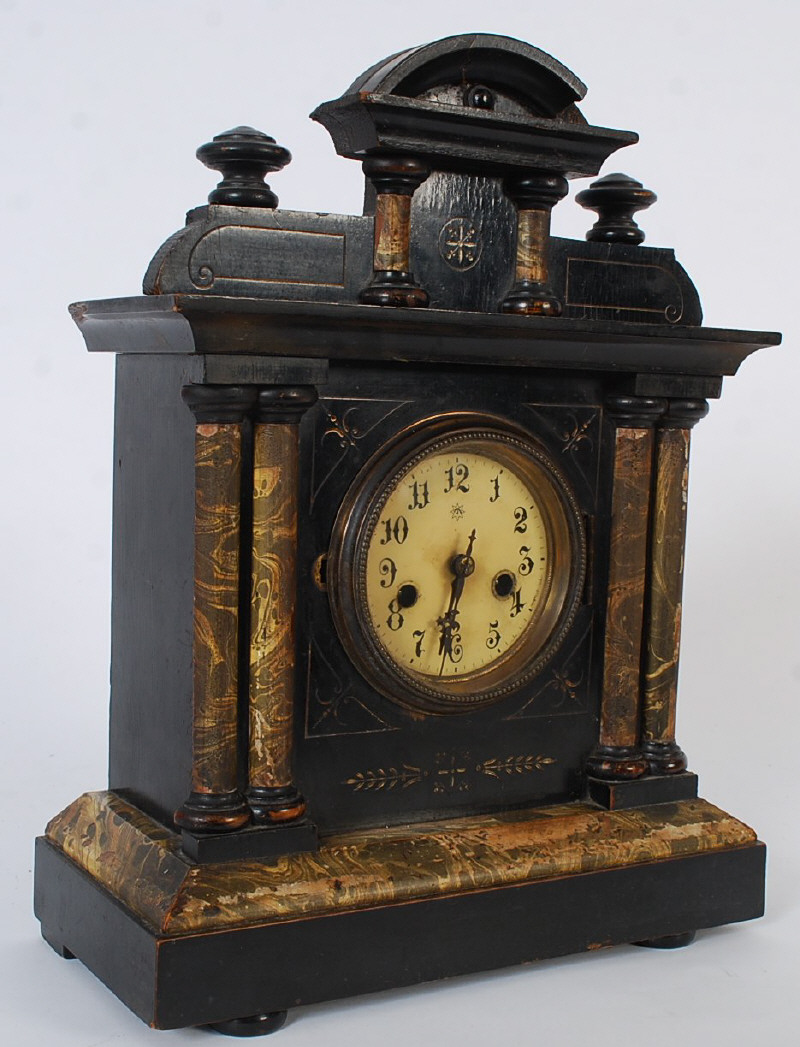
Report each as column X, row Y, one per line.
column 141, row 864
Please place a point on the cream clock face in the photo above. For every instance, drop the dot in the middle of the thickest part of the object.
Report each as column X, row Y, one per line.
column 460, row 567
column 457, row 564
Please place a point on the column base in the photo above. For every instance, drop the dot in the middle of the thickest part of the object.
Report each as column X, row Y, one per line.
column 528, row 298
column 664, row 757
column 213, row 813
column 616, row 763
column 278, row 804
column 394, row 288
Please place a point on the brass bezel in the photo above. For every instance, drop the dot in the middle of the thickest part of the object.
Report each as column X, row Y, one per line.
column 357, row 517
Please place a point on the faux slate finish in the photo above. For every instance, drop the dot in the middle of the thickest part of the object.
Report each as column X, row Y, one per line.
column 250, row 327
column 152, row 595
column 462, row 234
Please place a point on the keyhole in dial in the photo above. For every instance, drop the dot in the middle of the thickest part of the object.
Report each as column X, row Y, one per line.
column 407, row 595
column 504, row 584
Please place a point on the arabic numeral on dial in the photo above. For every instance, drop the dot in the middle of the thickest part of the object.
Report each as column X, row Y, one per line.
column 388, row 570
column 494, row 637
column 527, row 563
column 457, row 476
column 521, row 516
column 455, row 651
column 495, row 482
column 394, row 530
column 419, row 636
column 419, row 495
column 395, row 619
column 516, row 604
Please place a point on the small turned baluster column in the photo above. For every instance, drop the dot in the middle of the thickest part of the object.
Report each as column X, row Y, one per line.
column 215, row 803
column 534, row 196
column 663, row 616
column 272, row 795
column 618, row 753
column 395, row 179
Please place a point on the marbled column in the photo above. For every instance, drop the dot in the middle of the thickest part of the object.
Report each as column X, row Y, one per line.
column 272, row 795
column 618, row 753
column 665, row 585
column 395, row 179
column 215, row 804
column 534, row 195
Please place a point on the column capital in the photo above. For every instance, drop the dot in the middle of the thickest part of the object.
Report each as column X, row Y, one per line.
column 536, row 190
column 683, row 414
column 635, row 412
column 219, row 404
column 398, row 175
column 284, row 403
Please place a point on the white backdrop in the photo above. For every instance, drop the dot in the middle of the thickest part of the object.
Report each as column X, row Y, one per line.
column 103, row 105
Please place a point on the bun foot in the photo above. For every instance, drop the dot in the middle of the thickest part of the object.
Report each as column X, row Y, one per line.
column 669, row 941
column 255, row 1025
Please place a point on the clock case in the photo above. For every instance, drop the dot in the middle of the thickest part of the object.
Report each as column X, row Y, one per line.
column 276, row 831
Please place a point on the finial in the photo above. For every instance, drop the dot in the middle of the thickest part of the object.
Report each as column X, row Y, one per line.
column 243, row 156
column 479, row 97
column 616, row 198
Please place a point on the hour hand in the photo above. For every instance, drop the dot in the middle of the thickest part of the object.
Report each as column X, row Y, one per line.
column 462, row 566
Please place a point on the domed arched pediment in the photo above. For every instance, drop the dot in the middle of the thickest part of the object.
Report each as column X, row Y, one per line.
column 533, row 78
column 478, row 103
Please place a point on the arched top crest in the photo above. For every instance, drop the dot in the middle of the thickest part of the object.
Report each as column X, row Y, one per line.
column 478, row 103
column 512, row 68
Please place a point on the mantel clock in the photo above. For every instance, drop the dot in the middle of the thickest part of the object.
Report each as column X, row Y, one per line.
column 399, row 517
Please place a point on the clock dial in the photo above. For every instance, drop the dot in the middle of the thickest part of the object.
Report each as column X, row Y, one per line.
column 457, row 564
column 456, row 568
